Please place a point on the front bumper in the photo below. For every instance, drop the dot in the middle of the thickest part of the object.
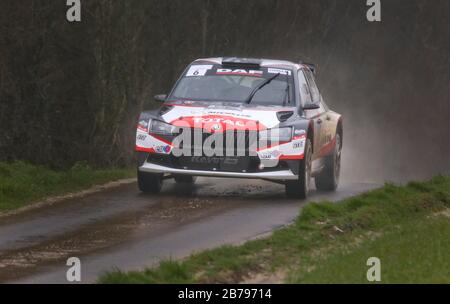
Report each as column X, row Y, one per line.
column 269, row 175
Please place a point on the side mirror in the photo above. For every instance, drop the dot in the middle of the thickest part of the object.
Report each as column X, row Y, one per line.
column 311, row 106
column 161, row 97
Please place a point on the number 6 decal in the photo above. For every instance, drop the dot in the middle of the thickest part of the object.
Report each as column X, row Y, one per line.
column 198, row 70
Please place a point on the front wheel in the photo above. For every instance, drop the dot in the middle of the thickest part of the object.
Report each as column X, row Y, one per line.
column 150, row 182
column 328, row 179
column 300, row 188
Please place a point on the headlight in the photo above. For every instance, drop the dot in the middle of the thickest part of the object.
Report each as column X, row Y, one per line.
column 143, row 124
column 159, row 127
column 280, row 135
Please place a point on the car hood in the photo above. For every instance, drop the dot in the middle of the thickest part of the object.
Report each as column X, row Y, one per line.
column 217, row 116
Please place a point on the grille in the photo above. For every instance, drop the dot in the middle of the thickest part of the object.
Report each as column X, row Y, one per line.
column 233, row 143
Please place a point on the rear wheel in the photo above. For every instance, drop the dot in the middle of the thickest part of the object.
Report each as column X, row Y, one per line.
column 150, row 182
column 328, row 179
column 185, row 179
column 300, row 188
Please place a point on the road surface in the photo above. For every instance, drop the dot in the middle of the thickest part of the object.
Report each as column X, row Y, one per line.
column 122, row 228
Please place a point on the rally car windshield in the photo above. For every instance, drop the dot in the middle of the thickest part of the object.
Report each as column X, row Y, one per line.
column 215, row 83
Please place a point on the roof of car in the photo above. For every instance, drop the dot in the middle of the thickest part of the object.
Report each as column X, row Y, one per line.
column 260, row 61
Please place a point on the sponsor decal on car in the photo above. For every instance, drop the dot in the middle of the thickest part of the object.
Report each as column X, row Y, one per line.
column 198, row 70
column 279, row 71
column 240, row 72
column 218, row 123
column 232, row 161
column 298, row 145
column 270, row 154
column 141, row 137
column 163, row 149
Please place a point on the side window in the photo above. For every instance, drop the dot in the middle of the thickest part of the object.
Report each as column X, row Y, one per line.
column 305, row 94
column 314, row 89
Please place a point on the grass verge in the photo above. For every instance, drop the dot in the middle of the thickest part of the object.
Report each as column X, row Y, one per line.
column 22, row 184
column 406, row 227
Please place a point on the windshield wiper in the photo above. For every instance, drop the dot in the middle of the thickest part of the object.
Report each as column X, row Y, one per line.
column 259, row 87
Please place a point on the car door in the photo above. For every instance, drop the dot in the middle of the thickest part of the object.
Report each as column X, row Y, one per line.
column 328, row 130
column 328, row 125
column 309, row 94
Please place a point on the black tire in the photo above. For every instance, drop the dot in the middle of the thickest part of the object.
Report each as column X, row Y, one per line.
column 150, row 182
column 328, row 179
column 185, row 179
column 300, row 188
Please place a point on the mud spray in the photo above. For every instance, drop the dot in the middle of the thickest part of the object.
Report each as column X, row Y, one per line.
column 391, row 82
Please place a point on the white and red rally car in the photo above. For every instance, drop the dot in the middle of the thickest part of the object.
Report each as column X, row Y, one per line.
column 242, row 118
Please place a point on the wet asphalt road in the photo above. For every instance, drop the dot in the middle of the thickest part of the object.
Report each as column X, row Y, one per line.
column 123, row 228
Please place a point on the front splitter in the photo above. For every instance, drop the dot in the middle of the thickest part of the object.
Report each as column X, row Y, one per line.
column 268, row 175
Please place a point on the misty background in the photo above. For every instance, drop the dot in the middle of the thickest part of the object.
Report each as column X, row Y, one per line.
column 72, row 92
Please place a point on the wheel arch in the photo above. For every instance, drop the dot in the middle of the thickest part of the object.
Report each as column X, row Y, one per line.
column 310, row 135
column 340, row 130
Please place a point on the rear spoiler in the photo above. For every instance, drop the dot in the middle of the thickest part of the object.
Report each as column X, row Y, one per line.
column 249, row 63
column 310, row 66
